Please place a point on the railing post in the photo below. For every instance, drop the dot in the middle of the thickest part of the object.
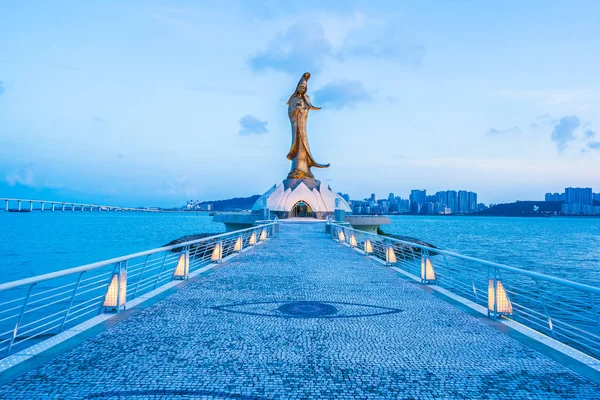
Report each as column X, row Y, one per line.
column 120, row 300
column 19, row 205
column 5, row 205
column 594, row 309
column 141, row 276
column 161, row 269
column 42, row 206
column 16, row 330
column 71, row 302
column 539, row 289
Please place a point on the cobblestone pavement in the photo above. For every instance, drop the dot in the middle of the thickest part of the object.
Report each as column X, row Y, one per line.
column 301, row 317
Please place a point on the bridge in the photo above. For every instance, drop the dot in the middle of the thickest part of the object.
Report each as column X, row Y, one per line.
column 288, row 311
column 54, row 205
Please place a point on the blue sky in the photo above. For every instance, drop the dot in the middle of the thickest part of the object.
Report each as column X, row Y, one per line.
column 153, row 103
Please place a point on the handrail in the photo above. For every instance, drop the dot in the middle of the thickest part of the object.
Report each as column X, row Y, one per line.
column 99, row 264
column 531, row 274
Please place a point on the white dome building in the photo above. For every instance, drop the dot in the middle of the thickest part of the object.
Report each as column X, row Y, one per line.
column 301, row 198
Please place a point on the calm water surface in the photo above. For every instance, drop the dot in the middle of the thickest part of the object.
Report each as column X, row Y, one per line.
column 37, row 243
column 564, row 247
column 40, row 242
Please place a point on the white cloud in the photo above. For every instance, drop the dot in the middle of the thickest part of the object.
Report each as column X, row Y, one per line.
column 23, row 177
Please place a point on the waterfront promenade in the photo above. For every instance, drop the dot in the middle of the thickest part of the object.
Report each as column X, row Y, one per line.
column 301, row 317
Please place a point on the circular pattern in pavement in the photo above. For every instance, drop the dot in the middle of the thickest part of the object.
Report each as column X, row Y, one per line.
column 307, row 309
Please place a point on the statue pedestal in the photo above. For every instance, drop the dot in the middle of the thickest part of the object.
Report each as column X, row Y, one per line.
column 283, row 198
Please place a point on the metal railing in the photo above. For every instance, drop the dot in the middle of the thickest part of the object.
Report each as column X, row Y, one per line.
column 564, row 310
column 35, row 308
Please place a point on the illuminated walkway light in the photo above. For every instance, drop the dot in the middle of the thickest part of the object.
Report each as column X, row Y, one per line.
column 217, row 254
column 390, row 255
column 116, row 294
column 238, row 244
column 498, row 301
column 427, row 271
column 368, row 247
column 182, row 269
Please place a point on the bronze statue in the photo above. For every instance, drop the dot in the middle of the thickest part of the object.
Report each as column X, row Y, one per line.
column 298, row 107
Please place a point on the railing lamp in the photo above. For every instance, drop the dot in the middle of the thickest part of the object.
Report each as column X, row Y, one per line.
column 390, row 255
column 498, row 301
column 238, row 245
column 427, row 271
column 182, row 269
column 116, row 294
column 217, row 254
column 368, row 247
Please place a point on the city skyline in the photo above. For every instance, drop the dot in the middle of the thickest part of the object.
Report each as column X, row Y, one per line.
column 171, row 101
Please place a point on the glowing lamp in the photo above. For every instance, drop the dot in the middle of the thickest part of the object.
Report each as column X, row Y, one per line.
column 253, row 238
column 217, row 253
column 263, row 235
column 116, row 294
column 352, row 241
column 341, row 236
column 390, row 255
column 183, row 267
column 498, row 301
column 368, row 247
column 427, row 272
column 238, row 244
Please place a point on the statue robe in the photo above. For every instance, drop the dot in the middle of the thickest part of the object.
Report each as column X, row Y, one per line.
column 302, row 160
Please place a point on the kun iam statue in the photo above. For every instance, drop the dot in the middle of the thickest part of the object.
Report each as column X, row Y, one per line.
column 298, row 107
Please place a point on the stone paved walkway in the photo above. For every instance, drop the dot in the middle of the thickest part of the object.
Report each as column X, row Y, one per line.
column 223, row 336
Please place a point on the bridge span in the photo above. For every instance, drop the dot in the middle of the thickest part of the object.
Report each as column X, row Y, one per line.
column 56, row 205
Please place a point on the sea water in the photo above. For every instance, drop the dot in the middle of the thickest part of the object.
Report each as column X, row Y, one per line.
column 41, row 242
column 566, row 247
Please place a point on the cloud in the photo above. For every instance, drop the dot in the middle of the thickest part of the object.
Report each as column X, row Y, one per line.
column 383, row 42
column 544, row 120
column 303, row 47
column 342, row 93
column 589, row 134
column 23, row 177
column 593, row 145
column 509, row 131
column 1, row 88
column 250, row 125
column 563, row 132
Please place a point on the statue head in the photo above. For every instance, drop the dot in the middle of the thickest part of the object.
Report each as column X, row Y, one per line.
column 302, row 85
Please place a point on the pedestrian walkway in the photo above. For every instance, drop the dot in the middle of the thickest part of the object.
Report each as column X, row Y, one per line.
column 301, row 317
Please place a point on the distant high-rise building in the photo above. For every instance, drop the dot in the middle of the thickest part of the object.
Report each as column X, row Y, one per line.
column 452, row 201
column 581, row 196
column 463, row 201
column 441, row 199
column 472, row 202
column 596, row 196
column 392, row 198
column 417, row 200
column 554, row 197
column 373, row 197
